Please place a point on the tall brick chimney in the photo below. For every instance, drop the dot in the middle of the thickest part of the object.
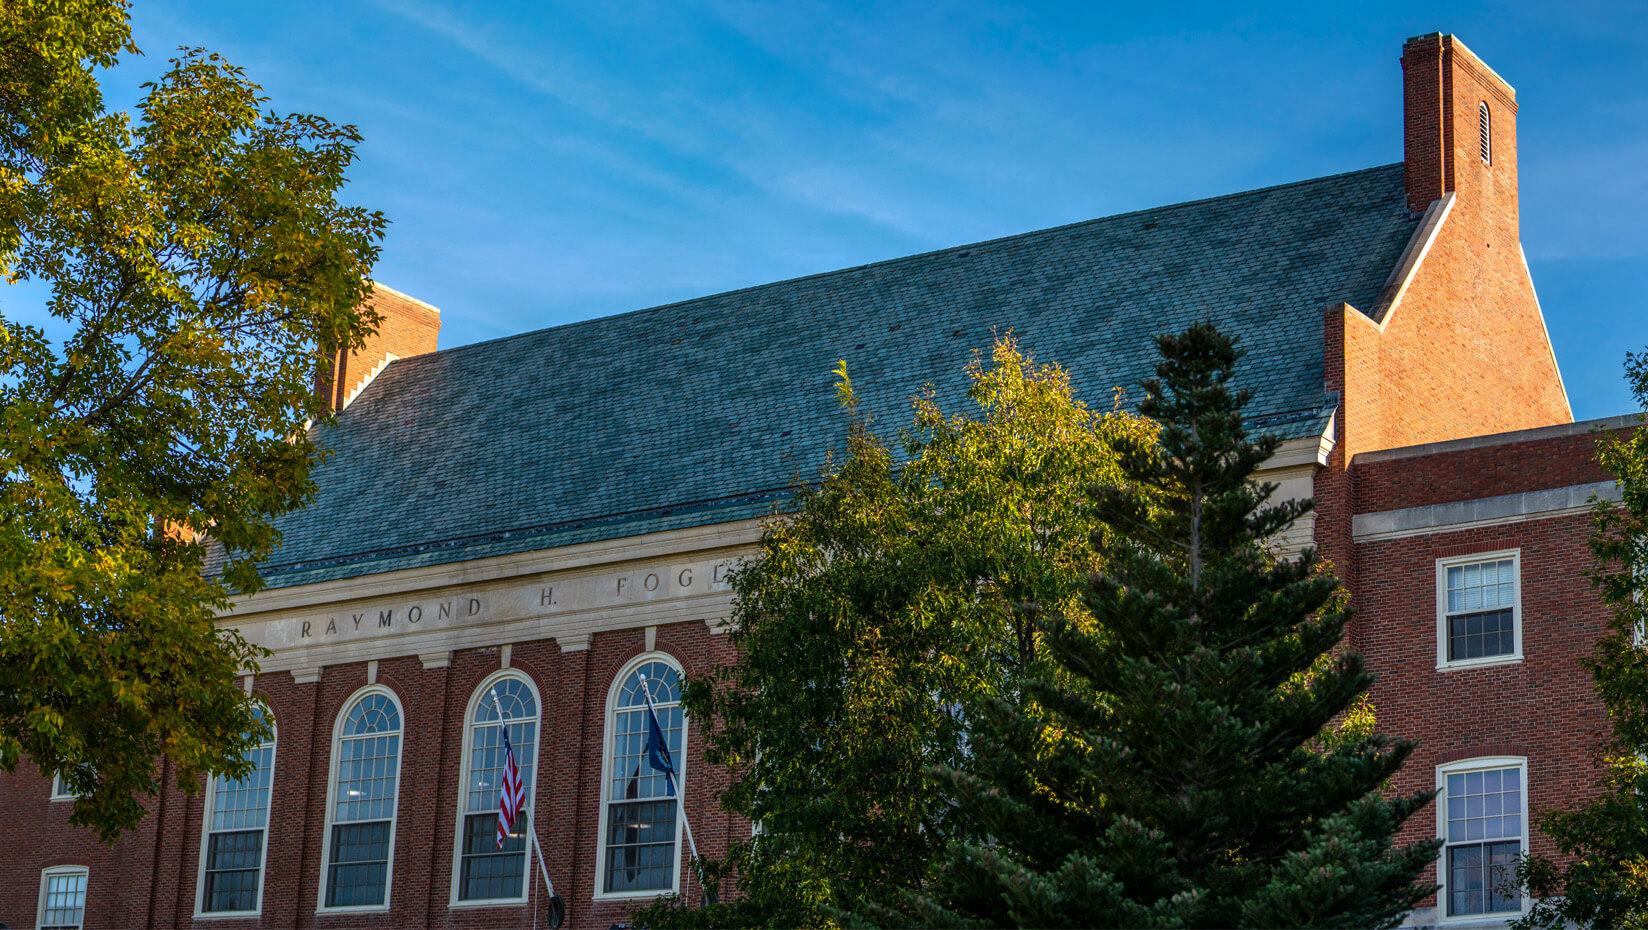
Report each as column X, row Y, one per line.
column 407, row 327
column 1460, row 132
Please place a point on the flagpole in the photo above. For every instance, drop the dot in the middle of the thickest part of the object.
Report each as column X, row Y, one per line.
column 680, row 796
column 531, row 825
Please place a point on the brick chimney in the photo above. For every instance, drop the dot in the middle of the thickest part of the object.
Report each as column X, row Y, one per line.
column 408, row 327
column 1460, row 132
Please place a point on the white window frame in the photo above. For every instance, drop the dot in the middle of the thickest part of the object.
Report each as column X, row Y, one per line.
column 206, row 831
column 1442, row 566
column 480, row 694
column 60, row 789
column 1481, row 763
column 331, row 804
column 607, row 734
column 46, row 876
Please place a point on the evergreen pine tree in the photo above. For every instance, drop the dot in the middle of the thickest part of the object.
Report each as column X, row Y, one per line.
column 1173, row 770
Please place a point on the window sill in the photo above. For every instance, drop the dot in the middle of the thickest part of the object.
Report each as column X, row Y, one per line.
column 354, row 909
column 1494, row 662
column 1480, row 921
column 633, row 895
column 489, row 902
column 227, row 915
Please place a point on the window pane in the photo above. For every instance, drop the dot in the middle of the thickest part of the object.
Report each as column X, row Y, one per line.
column 1480, row 635
column 487, row 871
column 1484, row 586
column 486, row 762
column 641, row 846
column 65, row 904
column 514, row 696
column 367, row 770
column 375, row 713
column 232, row 861
column 633, row 776
column 360, row 864
column 1469, row 814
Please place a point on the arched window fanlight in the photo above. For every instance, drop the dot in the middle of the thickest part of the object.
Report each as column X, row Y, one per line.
column 1485, row 126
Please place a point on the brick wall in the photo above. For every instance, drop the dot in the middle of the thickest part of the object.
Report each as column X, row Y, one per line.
column 1542, row 707
column 1463, row 350
column 1471, row 472
column 148, row 879
column 407, row 327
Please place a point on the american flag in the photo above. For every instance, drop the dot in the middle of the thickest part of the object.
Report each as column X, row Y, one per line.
column 512, row 796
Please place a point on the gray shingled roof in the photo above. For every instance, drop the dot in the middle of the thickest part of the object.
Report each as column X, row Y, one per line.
column 707, row 410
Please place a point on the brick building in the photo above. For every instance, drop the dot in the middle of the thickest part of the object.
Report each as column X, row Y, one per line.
column 539, row 527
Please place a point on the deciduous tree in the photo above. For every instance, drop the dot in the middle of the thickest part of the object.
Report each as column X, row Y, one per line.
column 195, row 257
column 1603, row 881
column 876, row 619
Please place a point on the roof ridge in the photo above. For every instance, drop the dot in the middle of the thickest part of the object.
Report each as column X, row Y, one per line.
column 892, row 261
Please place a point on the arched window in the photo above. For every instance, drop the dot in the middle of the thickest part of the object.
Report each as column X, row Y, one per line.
column 234, row 842
column 484, row 871
column 360, row 840
column 1485, row 128
column 640, row 823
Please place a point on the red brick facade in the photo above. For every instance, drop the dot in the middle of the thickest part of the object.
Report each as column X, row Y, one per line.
column 407, row 327
column 1456, row 349
column 1540, row 707
column 149, row 878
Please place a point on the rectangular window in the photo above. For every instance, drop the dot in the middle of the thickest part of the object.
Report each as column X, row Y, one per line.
column 1479, row 610
column 1484, row 832
column 641, row 846
column 60, row 790
column 487, row 871
column 62, row 898
column 360, row 864
column 232, row 864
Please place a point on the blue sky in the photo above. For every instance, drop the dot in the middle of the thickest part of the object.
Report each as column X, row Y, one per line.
column 547, row 162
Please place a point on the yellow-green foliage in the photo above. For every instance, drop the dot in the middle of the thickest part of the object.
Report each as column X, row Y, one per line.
column 198, row 265
column 882, row 609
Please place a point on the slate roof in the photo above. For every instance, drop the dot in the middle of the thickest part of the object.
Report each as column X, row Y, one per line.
column 707, row 410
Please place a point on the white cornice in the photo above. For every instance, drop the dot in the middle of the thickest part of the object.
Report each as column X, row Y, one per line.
column 1488, row 511
column 411, row 581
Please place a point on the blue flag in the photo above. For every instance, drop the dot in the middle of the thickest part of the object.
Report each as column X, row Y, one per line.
column 658, row 754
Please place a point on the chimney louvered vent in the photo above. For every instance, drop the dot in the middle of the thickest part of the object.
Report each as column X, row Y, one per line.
column 1485, row 126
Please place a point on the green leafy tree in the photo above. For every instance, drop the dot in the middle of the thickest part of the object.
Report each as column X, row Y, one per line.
column 877, row 616
column 1176, row 773
column 1603, row 879
column 198, row 265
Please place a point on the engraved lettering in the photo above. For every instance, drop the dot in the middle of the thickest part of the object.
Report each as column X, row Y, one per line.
column 474, row 606
column 385, row 617
column 546, row 597
column 414, row 614
column 720, row 574
column 685, row 578
column 650, row 582
column 305, row 628
column 357, row 619
column 621, row 585
column 331, row 625
column 446, row 611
